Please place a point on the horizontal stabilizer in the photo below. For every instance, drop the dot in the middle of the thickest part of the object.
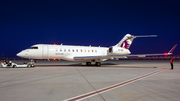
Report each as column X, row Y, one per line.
column 146, row 36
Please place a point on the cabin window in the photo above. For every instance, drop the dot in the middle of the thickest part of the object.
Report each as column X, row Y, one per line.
column 64, row 50
column 96, row 51
column 60, row 50
column 76, row 50
column 85, row 50
column 33, row 48
column 81, row 50
column 73, row 50
column 92, row 51
column 69, row 50
column 88, row 50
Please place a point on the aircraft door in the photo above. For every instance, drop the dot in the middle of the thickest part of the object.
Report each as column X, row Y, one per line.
column 45, row 51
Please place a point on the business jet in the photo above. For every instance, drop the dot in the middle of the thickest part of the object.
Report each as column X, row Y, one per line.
column 86, row 54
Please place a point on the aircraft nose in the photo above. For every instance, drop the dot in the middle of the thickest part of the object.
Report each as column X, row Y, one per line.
column 20, row 54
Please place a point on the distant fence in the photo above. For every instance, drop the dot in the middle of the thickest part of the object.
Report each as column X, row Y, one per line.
column 155, row 58
column 10, row 58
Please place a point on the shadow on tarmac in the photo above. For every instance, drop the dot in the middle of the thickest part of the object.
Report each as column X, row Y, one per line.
column 104, row 65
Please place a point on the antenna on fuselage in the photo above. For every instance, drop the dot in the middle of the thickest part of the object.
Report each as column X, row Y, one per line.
column 61, row 44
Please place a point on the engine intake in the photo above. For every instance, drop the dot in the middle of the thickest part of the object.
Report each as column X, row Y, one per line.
column 113, row 50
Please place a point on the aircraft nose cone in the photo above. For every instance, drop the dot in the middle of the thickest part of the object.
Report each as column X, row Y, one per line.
column 19, row 54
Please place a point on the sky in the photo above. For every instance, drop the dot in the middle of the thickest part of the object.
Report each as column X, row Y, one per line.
column 89, row 22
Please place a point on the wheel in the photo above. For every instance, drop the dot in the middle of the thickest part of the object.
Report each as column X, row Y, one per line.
column 28, row 65
column 32, row 65
column 14, row 66
column 88, row 63
column 98, row 64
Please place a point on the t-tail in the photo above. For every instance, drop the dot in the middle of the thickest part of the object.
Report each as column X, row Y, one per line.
column 128, row 39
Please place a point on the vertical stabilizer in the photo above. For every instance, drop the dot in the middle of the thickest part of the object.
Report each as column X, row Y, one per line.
column 126, row 41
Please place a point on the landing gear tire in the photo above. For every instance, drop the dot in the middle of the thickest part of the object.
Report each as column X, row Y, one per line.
column 14, row 66
column 29, row 66
column 98, row 64
column 32, row 65
column 88, row 63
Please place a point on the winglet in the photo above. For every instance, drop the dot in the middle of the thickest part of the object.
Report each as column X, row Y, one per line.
column 171, row 51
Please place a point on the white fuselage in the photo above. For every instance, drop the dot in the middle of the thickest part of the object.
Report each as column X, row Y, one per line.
column 67, row 52
column 86, row 54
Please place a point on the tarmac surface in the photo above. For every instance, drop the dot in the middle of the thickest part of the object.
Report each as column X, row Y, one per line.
column 124, row 80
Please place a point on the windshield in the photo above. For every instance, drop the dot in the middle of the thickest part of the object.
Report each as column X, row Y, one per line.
column 33, row 48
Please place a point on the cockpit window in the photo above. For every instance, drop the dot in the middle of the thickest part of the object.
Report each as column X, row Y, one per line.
column 33, row 48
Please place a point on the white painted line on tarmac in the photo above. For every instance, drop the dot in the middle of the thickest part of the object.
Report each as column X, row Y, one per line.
column 93, row 93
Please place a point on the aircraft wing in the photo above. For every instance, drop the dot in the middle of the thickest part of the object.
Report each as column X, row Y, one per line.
column 101, row 57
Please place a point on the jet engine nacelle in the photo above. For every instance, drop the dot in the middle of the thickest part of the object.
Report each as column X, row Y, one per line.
column 113, row 50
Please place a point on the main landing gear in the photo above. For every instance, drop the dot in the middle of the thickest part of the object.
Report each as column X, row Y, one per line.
column 88, row 63
column 96, row 63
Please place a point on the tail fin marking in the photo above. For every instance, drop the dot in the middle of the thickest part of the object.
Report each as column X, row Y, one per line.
column 128, row 39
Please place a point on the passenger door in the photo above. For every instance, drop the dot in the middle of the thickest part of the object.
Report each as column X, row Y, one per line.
column 45, row 51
